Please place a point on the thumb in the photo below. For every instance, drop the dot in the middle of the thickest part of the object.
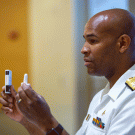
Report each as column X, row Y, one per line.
column 13, row 92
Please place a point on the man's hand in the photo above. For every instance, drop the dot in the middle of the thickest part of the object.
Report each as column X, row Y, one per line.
column 34, row 108
column 32, row 111
column 10, row 107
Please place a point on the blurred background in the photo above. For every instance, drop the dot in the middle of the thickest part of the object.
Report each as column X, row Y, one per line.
column 44, row 38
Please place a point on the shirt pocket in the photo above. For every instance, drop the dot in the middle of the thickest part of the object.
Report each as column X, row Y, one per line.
column 84, row 126
column 107, row 117
column 95, row 126
column 95, row 130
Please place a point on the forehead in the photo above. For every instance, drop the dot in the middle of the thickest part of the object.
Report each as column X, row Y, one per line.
column 99, row 24
column 95, row 21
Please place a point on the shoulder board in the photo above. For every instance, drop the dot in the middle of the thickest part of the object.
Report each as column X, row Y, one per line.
column 131, row 83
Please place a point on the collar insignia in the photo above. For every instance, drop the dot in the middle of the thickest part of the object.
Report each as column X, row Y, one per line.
column 103, row 113
column 131, row 83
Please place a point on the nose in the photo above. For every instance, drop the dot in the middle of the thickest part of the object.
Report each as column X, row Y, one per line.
column 85, row 50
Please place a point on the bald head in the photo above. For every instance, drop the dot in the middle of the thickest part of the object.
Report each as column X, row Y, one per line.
column 115, row 21
column 118, row 21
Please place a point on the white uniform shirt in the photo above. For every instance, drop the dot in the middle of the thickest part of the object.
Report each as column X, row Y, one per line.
column 115, row 109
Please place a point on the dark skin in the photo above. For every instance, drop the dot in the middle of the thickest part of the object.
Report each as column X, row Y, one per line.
column 108, row 51
column 11, row 109
column 32, row 112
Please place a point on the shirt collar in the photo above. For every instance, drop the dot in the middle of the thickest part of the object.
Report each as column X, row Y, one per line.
column 105, row 90
column 119, row 86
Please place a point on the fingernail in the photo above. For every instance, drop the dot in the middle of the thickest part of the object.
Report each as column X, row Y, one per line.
column 10, row 110
column 21, row 83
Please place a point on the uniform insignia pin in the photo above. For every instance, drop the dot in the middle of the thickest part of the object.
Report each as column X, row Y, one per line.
column 103, row 113
column 88, row 117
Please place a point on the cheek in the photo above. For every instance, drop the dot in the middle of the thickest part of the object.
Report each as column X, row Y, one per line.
column 97, row 53
column 103, row 55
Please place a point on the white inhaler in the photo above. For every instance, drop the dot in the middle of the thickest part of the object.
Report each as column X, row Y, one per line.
column 8, row 81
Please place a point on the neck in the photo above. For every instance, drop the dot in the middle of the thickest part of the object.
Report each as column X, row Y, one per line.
column 117, row 74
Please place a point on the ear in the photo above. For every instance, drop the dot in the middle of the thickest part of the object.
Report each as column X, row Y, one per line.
column 124, row 43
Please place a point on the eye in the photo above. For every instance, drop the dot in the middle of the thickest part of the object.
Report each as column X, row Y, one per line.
column 93, row 41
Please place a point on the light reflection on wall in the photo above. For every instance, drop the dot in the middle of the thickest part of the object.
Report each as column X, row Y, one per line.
column 95, row 6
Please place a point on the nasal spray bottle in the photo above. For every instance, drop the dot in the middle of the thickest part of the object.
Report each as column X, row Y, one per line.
column 8, row 81
column 25, row 80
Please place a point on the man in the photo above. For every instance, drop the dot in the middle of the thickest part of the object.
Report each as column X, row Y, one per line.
column 108, row 51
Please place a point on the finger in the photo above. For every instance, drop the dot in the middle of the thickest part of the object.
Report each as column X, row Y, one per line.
column 26, row 84
column 3, row 88
column 7, row 97
column 4, row 102
column 17, row 97
column 3, row 95
column 22, row 95
column 13, row 92
column 6, row 109
column 29, row 91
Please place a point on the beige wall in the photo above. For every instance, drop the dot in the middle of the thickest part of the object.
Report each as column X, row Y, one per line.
column 13, row 53
column 44, row 50
column 51, row 57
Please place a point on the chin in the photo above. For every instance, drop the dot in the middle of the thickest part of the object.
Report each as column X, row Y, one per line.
column 93, row 72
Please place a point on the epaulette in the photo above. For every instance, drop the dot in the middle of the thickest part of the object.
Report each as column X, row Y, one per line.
column 131, row 83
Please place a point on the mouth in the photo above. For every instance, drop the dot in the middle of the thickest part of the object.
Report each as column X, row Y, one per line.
column 87, row 62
